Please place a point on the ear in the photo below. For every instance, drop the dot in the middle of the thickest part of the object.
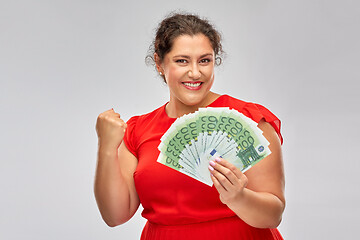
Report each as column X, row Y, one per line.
column 158, row 63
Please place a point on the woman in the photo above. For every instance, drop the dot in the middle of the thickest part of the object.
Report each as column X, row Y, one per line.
column 238, row 206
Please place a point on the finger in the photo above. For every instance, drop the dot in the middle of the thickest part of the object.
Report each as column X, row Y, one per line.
column 218, row 185
column 221, row 178
column 110, row 116
column 117, row 115
column 241, row 177
column 225, row 171
column 121, row 122
column 230, row 166
column 111, row 111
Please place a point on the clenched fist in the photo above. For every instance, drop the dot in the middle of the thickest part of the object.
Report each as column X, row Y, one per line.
column 110, row 129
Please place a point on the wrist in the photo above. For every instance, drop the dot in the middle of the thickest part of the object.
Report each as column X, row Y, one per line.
column 239, row 201
column 107, row 150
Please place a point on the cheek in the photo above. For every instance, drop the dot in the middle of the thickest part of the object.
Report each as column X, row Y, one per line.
column 211, row 82
column 175, row 74
column 209, row 73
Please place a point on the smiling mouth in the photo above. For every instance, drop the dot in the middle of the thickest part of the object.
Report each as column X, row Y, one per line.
column 194, row 85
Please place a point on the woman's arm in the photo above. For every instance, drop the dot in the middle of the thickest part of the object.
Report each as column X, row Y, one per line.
column 257, row 197
column 114, row 186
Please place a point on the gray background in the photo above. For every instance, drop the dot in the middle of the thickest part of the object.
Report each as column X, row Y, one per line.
column 63, row 62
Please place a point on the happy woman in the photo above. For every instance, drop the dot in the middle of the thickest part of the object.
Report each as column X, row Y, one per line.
column 239, row 205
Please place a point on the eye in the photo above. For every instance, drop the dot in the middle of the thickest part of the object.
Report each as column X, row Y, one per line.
column 205, row 60
column 183, row 61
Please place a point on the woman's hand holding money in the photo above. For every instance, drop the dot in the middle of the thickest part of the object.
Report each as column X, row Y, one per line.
column 110, row 129
column 258, row 209
column 228, row 180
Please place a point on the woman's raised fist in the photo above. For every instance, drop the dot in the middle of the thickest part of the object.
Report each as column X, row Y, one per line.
column 110, row 129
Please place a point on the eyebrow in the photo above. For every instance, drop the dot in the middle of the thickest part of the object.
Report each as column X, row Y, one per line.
column 185, row 56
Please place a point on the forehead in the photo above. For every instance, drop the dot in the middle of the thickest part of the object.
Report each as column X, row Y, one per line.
column 191, row 45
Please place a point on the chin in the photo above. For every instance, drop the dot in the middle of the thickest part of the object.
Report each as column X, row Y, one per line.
column 193, row 100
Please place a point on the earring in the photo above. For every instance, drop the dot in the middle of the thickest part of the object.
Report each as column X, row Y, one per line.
column 160, row 73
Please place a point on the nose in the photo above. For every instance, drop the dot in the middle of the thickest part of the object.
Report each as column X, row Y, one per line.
column 194, row 72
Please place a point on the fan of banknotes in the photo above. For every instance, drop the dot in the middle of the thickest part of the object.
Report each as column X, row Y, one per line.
column 196, row 138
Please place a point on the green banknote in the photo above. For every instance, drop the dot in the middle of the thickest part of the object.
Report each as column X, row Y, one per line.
column 187, row 144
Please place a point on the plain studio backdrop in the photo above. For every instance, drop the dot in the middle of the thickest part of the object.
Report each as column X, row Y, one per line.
column 63, row 62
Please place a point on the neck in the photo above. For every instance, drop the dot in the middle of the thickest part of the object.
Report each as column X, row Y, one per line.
column 175, row 108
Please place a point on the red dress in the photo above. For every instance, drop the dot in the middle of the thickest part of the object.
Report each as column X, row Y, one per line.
column 175, row 205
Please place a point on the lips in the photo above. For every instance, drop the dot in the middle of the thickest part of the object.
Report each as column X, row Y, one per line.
column 192, row 85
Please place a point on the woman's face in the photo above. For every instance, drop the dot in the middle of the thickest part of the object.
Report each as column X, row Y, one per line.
column 189, row 69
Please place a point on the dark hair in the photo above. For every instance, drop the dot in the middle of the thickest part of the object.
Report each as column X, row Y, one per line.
column 177, row 24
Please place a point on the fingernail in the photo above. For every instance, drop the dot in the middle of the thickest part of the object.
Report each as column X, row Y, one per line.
column 212, row 163
column 211, row 168
column 218, row 159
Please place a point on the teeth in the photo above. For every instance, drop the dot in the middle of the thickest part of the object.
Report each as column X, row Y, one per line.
column 192, row 84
